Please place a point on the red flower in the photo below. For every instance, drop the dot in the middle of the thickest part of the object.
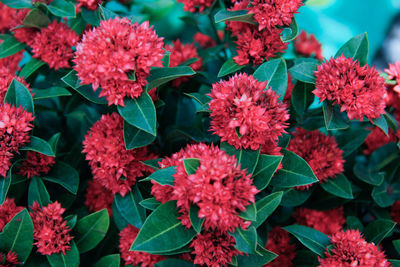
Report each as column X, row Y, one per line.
column 107, row 54
column 351, row 249
column 7, row 211
column 15, row 124
column 327, row 222
column 10, row 17
column 51, row 231
column 53, row 45
column 246, row 115
column 89, row 4
column 26, row 35
column 6, row 78
column 181, row 53
column 395, row 211
column 98, row 197
column 308, row 46
column 279, row 243
column 320, row 151
column 272, row 13
column 358, row 90
column 214, row 249
column 112, row 165
column 128, row 235
column 393, row 73
column 195, row 5
column 218, row 187
column 376, row 139
column 9, row 260
column 36, row 164
column 392, row 97
column 204, row 40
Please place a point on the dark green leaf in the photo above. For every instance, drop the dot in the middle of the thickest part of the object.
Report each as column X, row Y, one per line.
column 141, row 113
column 39, row 145
column 112, row 260
column 163, row 176
column 50, row 92
column 70, row 259
column 351, row 139
column 363, row 173
column 36, row 18
column 153, row 163
column 250, row 214
column 237, row 15
column 396, row 244
column 266, row 206
column 290, row 33
column 71, row 220
column 160, row 76
column 229, row 67
column 391, row 121
column 163, row 231
column 174, row 263
column 18, row 4
column 261, row 258
column 189, row 61
column 18, row 95
column 265, row 169
column 353, row 222
column 77, row 24
column 382, row 124
column 150, row 203
column 37, row 192
column 191, row 165
column 333, row 117
column 309, row 237
column 194, row 218
column 91, row 229
column 129, row 208
column 302, row 97
column 135, row 138
column 338, row 186
column 246, row 240
column 247, row 159
column 10, row 46
column 62, row 8
column 356, row 48
column 202, row 99
column 30, row 67
column 293, row 197
column 378, row 230
column 63, row 174
column 93, row 17
column 5, row 183
column 107, row 14
column 304, row 71
column 386, row 194
column 395, row 263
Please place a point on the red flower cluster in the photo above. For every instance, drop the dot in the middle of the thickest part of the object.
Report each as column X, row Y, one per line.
column 279, row 243
column 15, row 124
column 98, row 197
column 112, row 165
column 246, row 115
column 6, row 78
column 89, row 4
column 51, row 231
column 218, row 187
column 26, row 35
column 320, row 151
column 214, row 248
column 358, row 90
column 9, row 260
column 204, row 40
column 195, row 5
column 7, row 211
column 109, row 54
column 10, row 17
column 351, row 249
column 395, row 212
column 308, row 46
column 127, row 237
column 53, row 45
column 328, row 221
column 36, row 164
column 181, row 53
column 376, row 139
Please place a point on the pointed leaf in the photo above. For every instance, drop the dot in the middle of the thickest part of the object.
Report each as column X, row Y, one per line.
column 18, row 95
column 246, row 240
column 191, row 165
column 163, row 176
column 265, row 169
column 302, row 97
column 37, row 192
column 293, row 197
column 70, row 259
column 135, row 138
column 112, row 260
column 351, row 139
column 290, row 33
column 10, row 46
column 261, row 258
column 194, row 218
column 36, row 18
column 250, row 214
column 63, row 174
column 17, row 4
column 229, row 67
column 247, row 158
column 363, row 173
column 304, row 71
column 62, row 8
column 378, row 230
column 266, row 206
column 50, row 92
column 39, row 145
column 309, row 237
column 150, row 203
column 382, row 124
column 174, row 263
column 237, row 15
column 338, row 186
column 356, row 48
column 333, row 117
column 160, row 76
column 129, row 208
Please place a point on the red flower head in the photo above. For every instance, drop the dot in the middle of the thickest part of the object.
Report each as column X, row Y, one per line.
column 53, row 45
column 376, row 139
column 279, row 243
column 36, row 164
column 308, row 46
column 9, row 260
column 128, row 235
column 98, row 197
column 214, row 249
column 204, row 40
column 6, row 78
column 320, row 151
column 107, row 54
column 246, row 115
column 26, row 35
column 358, row 90
column 195, row 5
column 7, row 211
column 89, row 4
column 289, row 90
column 181, row 53
column 327, row 222
column 395, row 212
column 272, row 13
column 10, row 17
column 218, row 187
column 393, row 73
column 15, row 124
column 112, row 165
column 351, row 249
column 51, row 231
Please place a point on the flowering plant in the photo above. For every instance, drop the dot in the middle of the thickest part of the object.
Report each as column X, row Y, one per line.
column 235, row 144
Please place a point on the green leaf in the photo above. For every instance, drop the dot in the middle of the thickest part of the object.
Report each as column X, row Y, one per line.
column 304, row 71
column 246, row 240
column 163, row 231
column 395, row 263
column 50, row 92
column 93, row 17
column 353, row 222
column 378, row 230
column 338, row 186
column 333, row 118
column 396, row 244
column 141, row 113
column 309, row 237
column 261, row 258
column 229, row 67
column 247, row 158
column 53, row 142
column 391, row 121
column 275, row 73
column 63, row 174
column 386, row 194
column 19, row 96
column 39, row 145
column 70, row 259
column 135, row 138
column 129, row 208
column 265, row 169
column 71, row 220
column 302, row 97
column 237, row 15
column 382, row 124
column 17, row 4
column 293, row 197
column 112, row 260
column 37, row 192
column 163, row 176
column 174, row 263
column 10, row 46
column 351, row 139
column 356, row 48
column 91, row 229
column 194, row 218
column 36, row 19
column 295, row 172
column 290, row 33
column 150, row 203
column 107, row 14
column 5, row 183
column 62, row 8
column 17, row 236
column 153, row 163
column 266, row 206
column 191, row 165
column 250, row 214
column 363, row 173
column 160, row 76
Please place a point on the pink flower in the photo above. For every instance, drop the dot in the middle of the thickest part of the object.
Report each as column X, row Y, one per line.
column 9, row 260
column 108, row 55
column 328, row 221
column 7, row 211
column 393, row 73
column 195, row 5
column 308, row 46
column 10, row 17
column 89, row 4
column 26, row 35
column 376, row 139
column 358, row 90
column 36, row 164
column 98, row 197
column 203, row 40
column 279, row 242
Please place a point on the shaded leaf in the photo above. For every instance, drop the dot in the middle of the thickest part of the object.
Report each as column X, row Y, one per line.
column 250, row 214
column 112, row 260
column 290, row 33
column 246, row 240
column 191, row 165
column 129, row 208
column 135, row 137
column 36, row 18
column 266, row 206
column 247, row 158
column 378, row 230
column 304, row 71
column 37, row 192
column 338, row 186
column 333, row 117
column 50, row 92
column 70, row 259
column 229, row 67
column 237, row 15
column 39, row 145
column 356, row 48
column 265, row 169
column 309, row 237
column 150, row 203
column 10, row 46
column 160, row 76
column 18, row 95
column 63, row 174
column 62, row 8
column 194, row 218
column 163, row 176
